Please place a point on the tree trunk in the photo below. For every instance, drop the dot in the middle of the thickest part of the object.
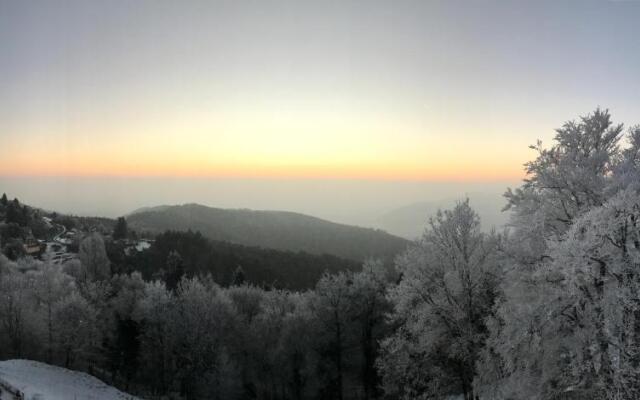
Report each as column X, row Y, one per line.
column 339, row 356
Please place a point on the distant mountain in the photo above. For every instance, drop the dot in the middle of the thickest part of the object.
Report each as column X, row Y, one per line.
column 271, row 229
column 410, row 221
column 148, row 209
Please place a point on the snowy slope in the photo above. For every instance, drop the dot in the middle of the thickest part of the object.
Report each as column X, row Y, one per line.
column 39, row 381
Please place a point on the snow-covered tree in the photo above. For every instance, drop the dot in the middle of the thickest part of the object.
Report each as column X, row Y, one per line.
column 205, row 312
column 75, row 329
column 155, row 312
column 16, row 312
column 50, row 285
column 548, row 337
column 449, row 282
column 369, row 308
column 332, row 308
column 93, row 255
column 563, row 182
column 581, row 336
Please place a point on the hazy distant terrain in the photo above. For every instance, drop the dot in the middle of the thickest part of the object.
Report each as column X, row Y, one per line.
column 271, row 229
column 346, row 201
column 410, row 221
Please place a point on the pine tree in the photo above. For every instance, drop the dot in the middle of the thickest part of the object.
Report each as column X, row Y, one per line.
column 238, row 277
column 174, row 270
column 120, row 231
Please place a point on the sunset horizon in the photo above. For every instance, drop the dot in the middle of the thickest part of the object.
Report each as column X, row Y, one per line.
column 430, row 91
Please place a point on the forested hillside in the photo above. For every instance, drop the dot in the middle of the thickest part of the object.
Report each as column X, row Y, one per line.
column 176, row 254
column 272, row 229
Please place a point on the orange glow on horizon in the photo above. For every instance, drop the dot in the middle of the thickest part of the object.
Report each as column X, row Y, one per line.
column 367, row 171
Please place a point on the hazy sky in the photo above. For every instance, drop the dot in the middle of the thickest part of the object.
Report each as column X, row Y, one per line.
column 395, row 90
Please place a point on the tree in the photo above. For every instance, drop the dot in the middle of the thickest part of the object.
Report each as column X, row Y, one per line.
column 155, row 312
column 543, row 338
column 202, row 361
column 238, row 278
column 50, row 284
column 93, row 255
column 15, row 312
column 449, row 284
column 583, row 336
column 4, row 201
column 16, row 213
column 296, row 346
column 14, row 249
column 369, row 309
column 175, row 270
column 121, row 339
column 75, row 328
column 564, row 182
column 120, row 231
column 332, row 307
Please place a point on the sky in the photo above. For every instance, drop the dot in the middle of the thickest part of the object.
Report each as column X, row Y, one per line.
column 382, row 91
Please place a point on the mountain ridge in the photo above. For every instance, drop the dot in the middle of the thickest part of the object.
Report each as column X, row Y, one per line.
column 282, row 230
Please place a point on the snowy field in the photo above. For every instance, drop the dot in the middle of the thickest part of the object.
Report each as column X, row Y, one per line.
column 39, row 381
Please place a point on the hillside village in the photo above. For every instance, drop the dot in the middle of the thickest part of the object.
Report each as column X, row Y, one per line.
column 49, row 236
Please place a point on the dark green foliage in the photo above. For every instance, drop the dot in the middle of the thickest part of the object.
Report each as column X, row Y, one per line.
column 202, row 256
column 174, row 271
column 238, row 277
column 16, row 213
column 116, row 254
column 120, row 231
column 272, row 229
column 4, row 201
column 12, row 231
column 13, row 249
column 123, row 352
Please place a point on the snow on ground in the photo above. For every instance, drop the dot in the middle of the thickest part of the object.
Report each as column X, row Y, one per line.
column 39, row 381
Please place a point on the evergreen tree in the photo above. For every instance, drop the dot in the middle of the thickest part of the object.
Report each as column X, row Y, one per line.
column 15, row 213
column 4, row 201
column 120, row 231
column 238, row 278
column 174, row 270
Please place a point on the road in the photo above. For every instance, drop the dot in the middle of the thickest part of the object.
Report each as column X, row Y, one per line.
column 56, row 238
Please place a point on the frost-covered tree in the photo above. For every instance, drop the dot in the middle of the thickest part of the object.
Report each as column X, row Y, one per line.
column 203, row 364
column 155, row 312
column 16, row 311
column 75, row 329
column 93, row 256
column 248, row 342
column 563, row 182
column 121, row 343
column 50, row 285
column 295, row 347
column 543, row 340
column 369, row 308
column 581, row 333
column 332, row 309
column 448, row 286
column 627, row 171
